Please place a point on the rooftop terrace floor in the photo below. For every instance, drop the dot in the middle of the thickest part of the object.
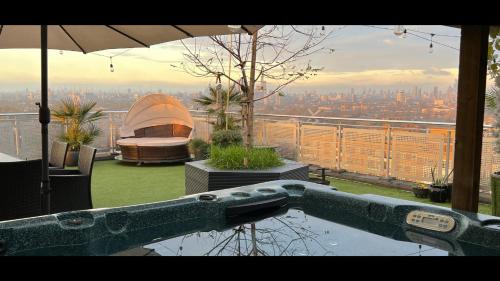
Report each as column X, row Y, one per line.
column 117, row 184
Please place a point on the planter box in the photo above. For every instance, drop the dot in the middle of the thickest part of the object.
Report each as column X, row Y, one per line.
column 199, row 177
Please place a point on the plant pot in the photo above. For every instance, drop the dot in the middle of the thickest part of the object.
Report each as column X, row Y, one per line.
column 449, row 188
column 495, row 194
column 438, row 193
column 72, row 158
column 421, row 192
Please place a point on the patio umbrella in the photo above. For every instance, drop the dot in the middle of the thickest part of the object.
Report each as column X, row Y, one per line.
column 91, row 38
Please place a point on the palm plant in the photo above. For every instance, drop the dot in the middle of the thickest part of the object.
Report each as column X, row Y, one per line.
column 439, row 181
column 216, row 103
column 78, row 119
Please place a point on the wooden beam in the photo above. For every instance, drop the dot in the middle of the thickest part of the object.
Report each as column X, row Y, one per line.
column 470, row 117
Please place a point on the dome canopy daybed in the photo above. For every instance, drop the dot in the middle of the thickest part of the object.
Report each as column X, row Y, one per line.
column 157, row 128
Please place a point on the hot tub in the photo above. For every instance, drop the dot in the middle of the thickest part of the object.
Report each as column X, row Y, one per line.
column 274, row 218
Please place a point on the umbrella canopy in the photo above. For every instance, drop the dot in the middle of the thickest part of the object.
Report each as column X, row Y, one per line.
column 91, row 38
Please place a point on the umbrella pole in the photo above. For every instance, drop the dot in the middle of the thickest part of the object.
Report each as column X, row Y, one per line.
column 44, row 118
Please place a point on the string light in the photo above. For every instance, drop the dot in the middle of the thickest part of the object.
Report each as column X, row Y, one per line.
column 408, row 32
column 111, row 68
column 431, row 49
column 404, row 34
column 60, row 52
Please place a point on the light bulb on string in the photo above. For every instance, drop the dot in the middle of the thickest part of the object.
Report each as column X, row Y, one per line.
column 431, row 49
column 404, row 34
column 399, row 30
column 60, row 52
column 111, row 68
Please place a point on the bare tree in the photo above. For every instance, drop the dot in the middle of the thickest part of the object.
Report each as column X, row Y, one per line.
column 275, row 53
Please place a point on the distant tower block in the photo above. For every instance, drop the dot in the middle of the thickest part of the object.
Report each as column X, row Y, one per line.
column 401, row 97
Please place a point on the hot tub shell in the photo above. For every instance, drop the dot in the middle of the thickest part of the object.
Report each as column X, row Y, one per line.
column 111, row 230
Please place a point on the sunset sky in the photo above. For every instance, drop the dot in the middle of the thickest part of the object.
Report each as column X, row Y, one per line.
column 363, row 57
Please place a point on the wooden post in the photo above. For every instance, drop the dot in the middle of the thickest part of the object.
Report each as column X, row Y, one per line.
column 470, row 117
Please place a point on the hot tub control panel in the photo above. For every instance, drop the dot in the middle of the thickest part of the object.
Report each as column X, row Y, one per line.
column 432, row 221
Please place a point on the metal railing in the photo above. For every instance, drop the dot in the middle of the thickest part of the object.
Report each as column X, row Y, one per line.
column 405, row 150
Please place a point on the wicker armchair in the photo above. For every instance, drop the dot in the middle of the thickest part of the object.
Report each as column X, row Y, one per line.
column 58, row 153
column 71, row 189
column 20, row 189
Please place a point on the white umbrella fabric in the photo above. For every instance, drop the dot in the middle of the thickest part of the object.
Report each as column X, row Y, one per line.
column 91, row 38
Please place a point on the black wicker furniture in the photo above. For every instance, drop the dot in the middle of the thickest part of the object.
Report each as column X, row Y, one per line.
column 58, row 153
column 20, row 189
column 71, row 189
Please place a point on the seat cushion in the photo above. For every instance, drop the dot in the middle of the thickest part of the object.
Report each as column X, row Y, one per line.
column 174, row 141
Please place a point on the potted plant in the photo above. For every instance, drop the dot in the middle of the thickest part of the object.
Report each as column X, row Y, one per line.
column 199, row 149
column 226, row 138
column 421, row 191
column 217, row 102
column 440, row 188
column 78, row 120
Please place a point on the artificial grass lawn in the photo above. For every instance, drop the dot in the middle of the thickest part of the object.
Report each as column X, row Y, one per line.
column 117, row 184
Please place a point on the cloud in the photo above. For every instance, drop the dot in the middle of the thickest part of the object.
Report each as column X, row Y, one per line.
column 436, row 71
column 383, row 77
column 388, row 42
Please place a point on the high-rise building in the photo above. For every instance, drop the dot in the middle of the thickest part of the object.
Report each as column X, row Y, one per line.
column 401, row 97
column 436, row 92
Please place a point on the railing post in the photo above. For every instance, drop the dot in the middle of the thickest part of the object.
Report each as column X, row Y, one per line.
column 208, row 127
column 298, row 154
column 264, row 134
column 388, row 163
column 440, row 159
column 339, row 148
column 16, row 137
column 111, row 137
column 448, row 153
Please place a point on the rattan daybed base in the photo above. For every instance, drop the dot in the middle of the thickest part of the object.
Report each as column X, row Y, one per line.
column 154, row 150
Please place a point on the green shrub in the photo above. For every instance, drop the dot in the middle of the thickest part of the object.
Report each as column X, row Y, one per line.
column 231, row 158
column 199, row 148
column 225, row 138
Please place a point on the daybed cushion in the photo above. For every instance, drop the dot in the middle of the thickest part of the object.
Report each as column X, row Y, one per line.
column 174, row 141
